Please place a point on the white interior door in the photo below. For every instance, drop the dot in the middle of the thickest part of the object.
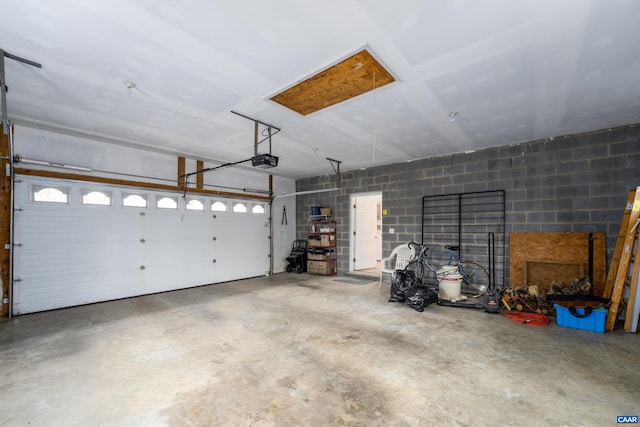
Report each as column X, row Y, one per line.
column 366, row 232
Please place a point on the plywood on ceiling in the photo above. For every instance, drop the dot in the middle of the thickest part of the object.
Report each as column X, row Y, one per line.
column 358, row 74
column 569, row 247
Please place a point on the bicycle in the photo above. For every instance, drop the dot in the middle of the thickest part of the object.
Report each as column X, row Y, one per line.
column 474, row 275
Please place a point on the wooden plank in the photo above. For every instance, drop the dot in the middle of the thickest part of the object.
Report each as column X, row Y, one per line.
column 631, row 312
column 181, row 168
column 625, row 259
column 615, row 259
column 137, row 184
column 557, row 246
column 358, row 74
column 5, row 222
column 541, row 273
column 200, row 176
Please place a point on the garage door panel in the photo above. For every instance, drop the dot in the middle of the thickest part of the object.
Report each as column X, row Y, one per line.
column 74, row 287
column 248, row 257
column 166, row 225
column 244, row 251
column 103, row 222
column 160, row 278
column 50, row 290
column 178, row 252
column 239, row 225
column 73, row 254
column 178, row 264
column 70, row 278
column 100, row 262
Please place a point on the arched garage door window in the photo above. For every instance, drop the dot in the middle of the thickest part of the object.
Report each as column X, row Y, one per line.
column 50, row 194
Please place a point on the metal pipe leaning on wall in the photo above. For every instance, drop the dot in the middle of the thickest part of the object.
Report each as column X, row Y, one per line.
column 299, row 193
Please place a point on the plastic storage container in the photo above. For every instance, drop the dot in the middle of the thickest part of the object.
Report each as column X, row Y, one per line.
column 581, row 317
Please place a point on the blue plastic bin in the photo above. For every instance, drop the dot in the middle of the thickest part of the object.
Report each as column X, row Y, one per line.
column 582, row 319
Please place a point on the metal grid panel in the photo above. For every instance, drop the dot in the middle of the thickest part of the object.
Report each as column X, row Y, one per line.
column 466, row 220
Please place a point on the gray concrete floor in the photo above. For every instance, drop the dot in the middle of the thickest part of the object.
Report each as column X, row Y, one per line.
column 293, row 350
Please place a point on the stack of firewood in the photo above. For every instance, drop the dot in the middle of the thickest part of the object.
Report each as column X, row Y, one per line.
column 525, row 299
column 533, row 300
column 578, row 287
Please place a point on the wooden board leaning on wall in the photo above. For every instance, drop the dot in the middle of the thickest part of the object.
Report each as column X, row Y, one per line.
column 572, row 247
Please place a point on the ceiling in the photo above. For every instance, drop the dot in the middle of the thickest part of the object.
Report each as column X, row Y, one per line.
column 506, row 70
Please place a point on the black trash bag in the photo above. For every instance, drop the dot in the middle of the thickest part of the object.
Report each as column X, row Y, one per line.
column 401, row 280
column 418, row 297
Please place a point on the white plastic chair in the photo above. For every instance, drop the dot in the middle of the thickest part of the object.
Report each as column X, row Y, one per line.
column 398, row 260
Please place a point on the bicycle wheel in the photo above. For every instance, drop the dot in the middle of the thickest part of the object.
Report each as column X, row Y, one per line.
column 474, row 276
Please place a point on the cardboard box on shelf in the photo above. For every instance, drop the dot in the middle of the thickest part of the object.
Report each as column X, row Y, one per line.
column 322, row 240
column 318, row 256
column 321, row 267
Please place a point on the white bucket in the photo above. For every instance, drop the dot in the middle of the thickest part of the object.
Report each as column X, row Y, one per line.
column 447, row 270
column 449, row 283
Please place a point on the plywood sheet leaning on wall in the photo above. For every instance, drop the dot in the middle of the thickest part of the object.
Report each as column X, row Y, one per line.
column 572, row 248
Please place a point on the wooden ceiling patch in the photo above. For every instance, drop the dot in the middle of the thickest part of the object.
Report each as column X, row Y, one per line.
column 358, row 74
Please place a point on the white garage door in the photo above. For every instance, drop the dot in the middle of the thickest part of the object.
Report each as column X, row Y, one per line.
column 79, row 243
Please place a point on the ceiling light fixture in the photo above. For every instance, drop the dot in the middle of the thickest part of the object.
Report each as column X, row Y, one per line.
column 452, row 116
column 128, row 86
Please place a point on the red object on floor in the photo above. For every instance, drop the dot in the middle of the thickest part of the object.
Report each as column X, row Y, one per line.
column 531, row 319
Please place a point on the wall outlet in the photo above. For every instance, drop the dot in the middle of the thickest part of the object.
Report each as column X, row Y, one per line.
column 392, row 231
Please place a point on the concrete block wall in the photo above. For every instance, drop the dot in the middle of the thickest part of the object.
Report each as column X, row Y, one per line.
column 569, row 183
